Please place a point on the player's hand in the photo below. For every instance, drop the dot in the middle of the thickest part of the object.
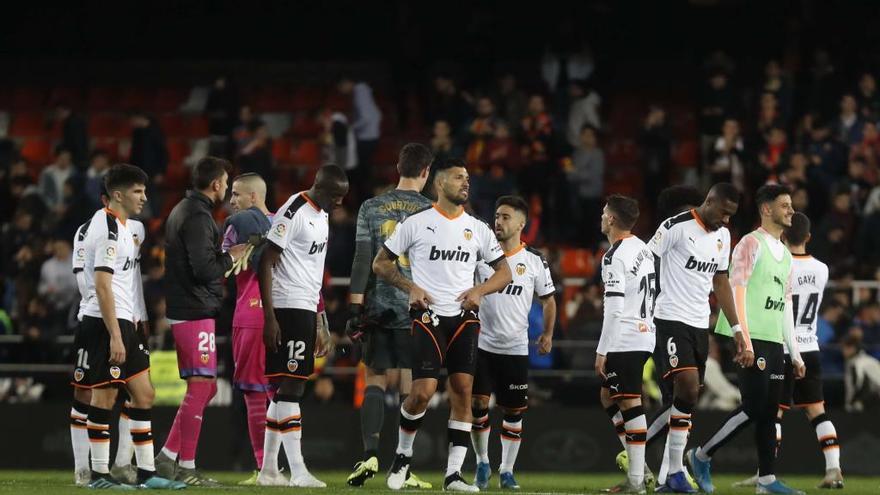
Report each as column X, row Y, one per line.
column 117, row 350
column 271, row 334
column 237, row 251
column 470, row 299
column 324, row 340
column 418, row 298
column 545, row 344
column 600, row 365
column 354, row 326
column 745, row 357
column 800, row 369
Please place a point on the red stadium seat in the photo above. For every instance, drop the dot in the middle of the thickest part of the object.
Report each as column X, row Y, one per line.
column 686, row 154
column 306, row 99
column 109, row 145
column 137, row 99
column 307, row 152
column 577, row 262
column 27, row 98
column 103, row 99
column 196, row 127
column 75, row 97
column 169, row 99
column 281, row 149
column 26, row 124
column 305, row 125
column 172, row 125
column 103, row 125
column 37, row 151
column 178, row 149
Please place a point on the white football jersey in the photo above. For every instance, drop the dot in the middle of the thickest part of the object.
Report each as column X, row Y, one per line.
column 109, row 247
column 444, row 253
column 301, row 231
column 504, row 315
column 79, row 262
column 690, row 256
column 628, row 272
column 139, row 235
column 808, row 279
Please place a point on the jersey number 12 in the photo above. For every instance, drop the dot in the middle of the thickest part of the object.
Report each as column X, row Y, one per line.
column 809, row 314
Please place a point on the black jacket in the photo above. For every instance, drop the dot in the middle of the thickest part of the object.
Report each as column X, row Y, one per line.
column 194, row 263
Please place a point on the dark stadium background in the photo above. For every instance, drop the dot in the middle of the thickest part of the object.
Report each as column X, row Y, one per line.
column 107, row 60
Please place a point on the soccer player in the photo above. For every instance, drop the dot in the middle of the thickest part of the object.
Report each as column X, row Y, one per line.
column 762, row 281
column 693, row 248
column 380, row 311
column 444, row 245
column 108, row 351
column 627, row 338
column 194, row 268
column 251, row 218
column 808, row 279
column 503, row 344
column 291, row 270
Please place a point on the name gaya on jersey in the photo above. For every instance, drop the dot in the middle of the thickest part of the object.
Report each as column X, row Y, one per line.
column 109, row 246
column 504, row 315
column 690, row 256
column 808, row 279
column 300, row 231
column 444, row 252
column 628, row 273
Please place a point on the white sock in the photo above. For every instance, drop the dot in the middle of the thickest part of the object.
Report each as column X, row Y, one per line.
column 141, row 437
column 511, row 436
column 187, row 464
column 619, row 428
column 766, row 480
column 272, row 440
column 99, row 439
column 679, row 425
column 125, row 447
column 458, row 433
column 480, row 439
column 827, row 436
column 637, row 431
column 664, row 466
column 169, row 453
column 405, row 437
column 79, row 438
column 291, row 436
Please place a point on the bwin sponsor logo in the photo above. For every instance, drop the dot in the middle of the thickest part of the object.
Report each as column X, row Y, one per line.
column 449, row 255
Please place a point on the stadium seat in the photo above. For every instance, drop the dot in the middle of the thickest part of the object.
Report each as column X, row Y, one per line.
column 104, row 125
column 195, row 127
column 306, row 99
column 577, row 262
column 27, row 98
column 178, row 150
column 75, row 97
column 169, row 99
column 28, row 124
column 103, row 99
column 686, row 154
column 172, row 125
column 305, row 125
column 109, row 145
column 37, row 151
column 137, row 99
column 306, row 152
column 281, row 149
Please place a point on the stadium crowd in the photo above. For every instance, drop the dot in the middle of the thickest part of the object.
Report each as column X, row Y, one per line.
column 544, row 135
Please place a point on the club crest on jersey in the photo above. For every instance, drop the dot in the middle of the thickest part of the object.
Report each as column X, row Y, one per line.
column 80, row 253
column 520, row 269
column 719, row 244
column 673, row 360
column 205, row 357
column 468, row 234
column 279, row 229
column 79, row 374
column 292, row 365
column 137, row 242
column 762, row 363
column 111, row 251
column 115, row 372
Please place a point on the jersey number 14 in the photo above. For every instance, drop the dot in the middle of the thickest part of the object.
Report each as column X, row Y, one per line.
column 809, row 311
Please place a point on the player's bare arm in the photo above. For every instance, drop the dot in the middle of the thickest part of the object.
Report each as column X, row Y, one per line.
column 104, row 291
column 745, row 357
column 470, row 299
column 385, row 267
column 271, row 331
column 545, row 340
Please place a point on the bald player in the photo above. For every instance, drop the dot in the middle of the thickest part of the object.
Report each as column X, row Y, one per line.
column 251, row 219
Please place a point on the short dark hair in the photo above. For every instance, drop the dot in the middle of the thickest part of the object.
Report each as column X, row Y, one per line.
column 447, row 163
column 800, row 229
column 726, row 191
column 413, row 159
column 624, row 209
column 122, row 176
column 207, row 170
column 769, row 192
column 673, row 200
column 515, row 202
column 331, row 174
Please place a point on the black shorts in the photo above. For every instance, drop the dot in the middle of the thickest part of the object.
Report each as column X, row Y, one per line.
column 506, row 375
column 761, row 385
column 386, row 349
column 295, row 357
column 623, row 373
column 444, row 342
column 91, row 344
column 806, row 391
column 681, row 347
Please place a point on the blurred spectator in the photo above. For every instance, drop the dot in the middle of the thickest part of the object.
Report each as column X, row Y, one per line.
column 54, row 176
column 718, row 393
column 94, row 183
column 584, row 110
column 447, row 103
column 222, row 107
column 857, row 182
column 862, row 376
column 848, row 126
column 868, row 241
column 772, row 156
column 488, row 187
column 868, row 97
column 830, row 319
column 655, row 140
column 502, row 150
column 57, row 282
column 366, row 121
column 728, row 157
column 835, row 231
column 442, row 142
column 74, row 135
column 148, row 149
column 256, row 154
column 869, row 149
column 512, row 102
column 537, row 133
column 716, row 104
column 824, row 84
column 480, row 130
column 340, row 250
column 558, row 69
column 241, row 135
column 586, row 182
column 769, row 118
column 868, row 319
column 777, row 83
column 339, row 144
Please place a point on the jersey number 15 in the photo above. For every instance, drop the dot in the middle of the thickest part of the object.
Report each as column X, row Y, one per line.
column 648, row 290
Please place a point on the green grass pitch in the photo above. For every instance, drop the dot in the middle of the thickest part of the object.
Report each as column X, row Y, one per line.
column 51, row 482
